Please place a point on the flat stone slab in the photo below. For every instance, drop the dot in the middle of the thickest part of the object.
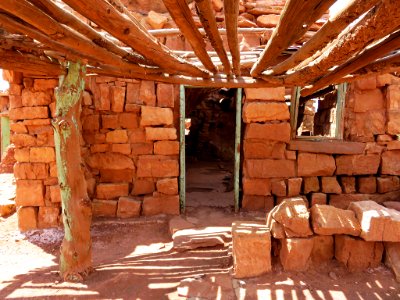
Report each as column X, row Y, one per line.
column 392, row 204
column 329, row 220
column 7, row 207
column 378, row 223
column 392, row 258
column 295, row 253
column 178, row 223
column 187, row 239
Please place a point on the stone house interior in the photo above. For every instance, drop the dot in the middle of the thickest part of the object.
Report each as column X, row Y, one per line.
column 132, row 109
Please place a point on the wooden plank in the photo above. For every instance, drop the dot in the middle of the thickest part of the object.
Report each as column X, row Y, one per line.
column 182, row 16
column 328, row 147
column 375, row 25
column 207, row 18
column 296, row 18
column 133, row 34
column 326, row 34
column 231, row 10
column 386, row 46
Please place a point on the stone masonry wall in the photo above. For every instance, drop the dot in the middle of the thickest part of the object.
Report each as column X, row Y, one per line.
column 271, row 171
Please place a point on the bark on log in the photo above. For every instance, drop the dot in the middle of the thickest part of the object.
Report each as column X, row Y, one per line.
column 182, row 16
column 326, row 34
column 386, row 46
column 231, row 9
column 381, row 66
column 76, row 248
column 134, row 35
column 207, row 18
column 375, row 25
column 296, row 18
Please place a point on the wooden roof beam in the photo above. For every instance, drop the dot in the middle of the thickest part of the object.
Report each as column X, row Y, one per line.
column 389, row 44
column 133, row 34
column 376, row 24
column 296, row 18
column 329, row 31
column 207, row 18
column 385, row 65
column 231, row 9
column 181, row 14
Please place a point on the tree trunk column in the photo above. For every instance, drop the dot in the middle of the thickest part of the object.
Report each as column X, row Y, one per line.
column 76, row 248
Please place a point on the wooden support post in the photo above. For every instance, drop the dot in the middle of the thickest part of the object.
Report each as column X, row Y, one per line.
column 238, row 131
column 76, row 248
column 182, row 154
column 5, row 134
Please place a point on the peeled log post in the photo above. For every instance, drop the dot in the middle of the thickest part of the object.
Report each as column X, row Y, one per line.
column 76, row 248
column 231, row 8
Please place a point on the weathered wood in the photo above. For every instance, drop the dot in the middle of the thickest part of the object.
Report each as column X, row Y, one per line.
column 207, row 18
column 296, row 18
column 326, row 34
column 328, row 147
column 65, row 17
column 76, row 248
column 381, row 66
column 386, row 46
column 134, row 35
column 64, row 35
column 231, row 9
column 222, row 31
column 182, row 16
column 375, row 25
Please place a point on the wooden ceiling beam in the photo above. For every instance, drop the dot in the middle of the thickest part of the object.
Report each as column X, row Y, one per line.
column 386, row 46
column 381, row 66
column 329, row 31
column 207, row 18
column 376, row 24
column 296, row 18
column 133, row 34
column 231, row 10
column 182, row 16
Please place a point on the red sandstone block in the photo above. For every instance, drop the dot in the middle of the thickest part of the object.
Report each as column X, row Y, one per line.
column 109, row 121
column 269, row 168
column 166, row 147
column 269, row 21
column 263, row 149
column 368, row 100
column 132, row 93
column 42, row 154
column 128, row 120
column 99, row 148
column 368, row 83
column 48, row 217
column 154, row 116
column 257, row 203
column 102, row 97
column 15, row 101
column 393, row 125
column 27, row 218
column 44, row 84
column 318, row 198
column 18, row 127
column 277, row 94
column 15, row 89
column 117, row 98
column 121, row 148
column 366, row 185
column 29, row 193
column 278, row 188
column 142, row 149
column 160, row 205
column 31, row 171
column 23, row 140
column 370, row 123
column 91, row 123
column 129, row 207
column 22, row 113
column 357, row 164
column 348, row 184
column 86, row 98
column 168, row 186
column 311, row 184
column 30, row 98
column 265, row 111
column 275, row 132
column 55, row 193
column 149, row 166
column 104, row 208
column 311, row 164
column 330, row 185
column 117, row 136
column 261, row 187
column 165, row 95
column 393, row 97
column 143, row 187
column 21, row 155
column 112, row 190
column 388, row 184
column 294, row 186
column 160, row 134
column 147, row 93
column 137, row 135
column 123, row 175
column 114, row 161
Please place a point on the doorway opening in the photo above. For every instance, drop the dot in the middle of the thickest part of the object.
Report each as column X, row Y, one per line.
column 210, row 142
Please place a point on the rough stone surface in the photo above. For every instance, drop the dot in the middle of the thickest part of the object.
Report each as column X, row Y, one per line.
column 357, row 254
column 323, row 249
column 122, row 175
column 295, row 253
column 119, row 136
column 294, row 186
column 112, row 161
column 29, row 193
column 392, row 258
column 330, row 185
column 143, row 187
column 261, row 187
column 128, row 207
column 160, row 134
column 178, row 223
column 27, row 218
column 168, row 186
column 311, row 184
column 154, row 116
column 310, row 164
column 262, row 112
column 392, row 204
column 42, row 154
column 368, row 100
column 110, row 191
column 357, row 164
column 329, row 220
column 378, row 223
column 274, row 132
column 153, row 166
column 391, row 162
column 251, row 249
column 154, row 205
column 263, row 149
column 388, row 184
column 318, row 198
column 257, row 203
column 7, row 208
column 166, row 147
column 348, row 184
column 278, row 188
column 277, row 94
column 165, row 95
column 366, row 185
column 48, row 217
column 269, row 168
column 104, row 208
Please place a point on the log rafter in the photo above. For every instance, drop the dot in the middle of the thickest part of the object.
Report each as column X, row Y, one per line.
column 231, row 8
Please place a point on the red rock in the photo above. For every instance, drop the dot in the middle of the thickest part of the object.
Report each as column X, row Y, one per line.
column 323, row 249
column 132, row 93
column 99, row 148
column 29, row 193
column 147, row 93
column 117, row 136
column 27, row 218
column 393, row 97
column 391, row 162
column 86, row 98
column 393, row 124
column 392, row 258
column 295, row 253
column 388, row 184
column 311, row 184
column 42, row 154
column 102, row 99
column 265, row 111
column 15, row 89
column 356, row 254
column 14, row 101
column 137, row 135
column 168, row 186
column 18, row 127
column 343, row 200
column 21, row 155
column 31, row 171
column 261, row 187
column 368, row 83
column 368, row 100
column 311, row 164
column 121, row 148
column 44, row 84
column 179, row 223
column 329, row 220
column 160, row 134
column 166, row 148
column 128, row 207
column 357, row 164
column 30, row 98
column 257, row 203
column 392, row 204
column 121, row 175
column 91, row 123
column 110, row 191
column 366, row 185
column 104, row 208
column 143, row 187
column 149, row 166
column 109, row 121
column 294, row 186
column 128, row 120
column 318, row 198
column 348, row 184
column 112, row 161
column 154, row 116
column 23, row 140
column 27, row 113
column 48, row 217
column 165, row 95
column 269, row 168
column 117, row 98
column 251, row 249
column 160, row 205
column 55, row 194
column 263, row 149
column 268, row 21
column 7, row 208
column 278, row 188
column 370, row 123
column 142, row 148
column 330, row 185
column 274, row 132
column 269, row 93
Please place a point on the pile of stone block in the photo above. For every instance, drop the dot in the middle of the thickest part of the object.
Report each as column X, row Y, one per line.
column 357, row 237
